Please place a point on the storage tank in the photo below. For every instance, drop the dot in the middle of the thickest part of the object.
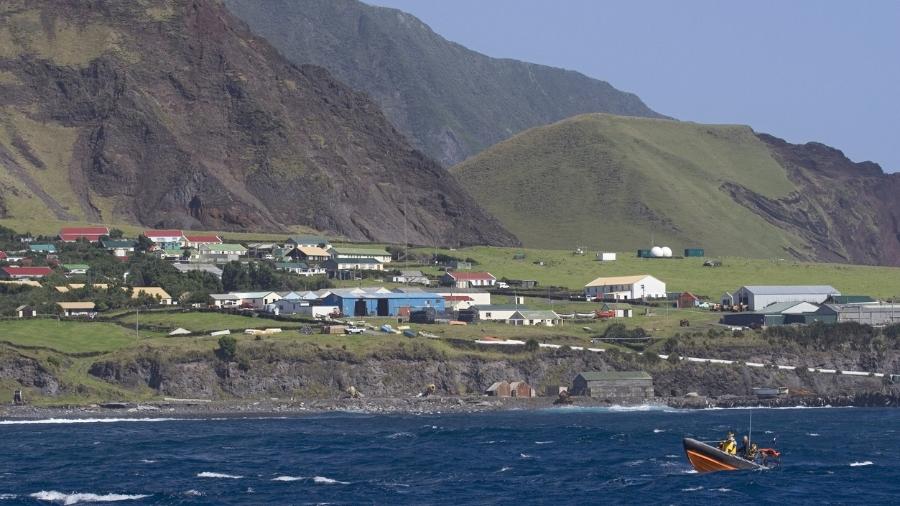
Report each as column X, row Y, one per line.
column 656, row 252
column 667, row 252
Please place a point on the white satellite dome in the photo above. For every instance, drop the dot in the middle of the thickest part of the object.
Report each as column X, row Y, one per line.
column 666, row 251
column 656, row 252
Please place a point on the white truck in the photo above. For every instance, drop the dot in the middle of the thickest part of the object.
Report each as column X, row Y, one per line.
column 353, row 329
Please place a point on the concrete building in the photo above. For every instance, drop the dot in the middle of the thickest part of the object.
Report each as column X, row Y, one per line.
column 499, row 389
column 224, row 300
column 221, row 253
column 617, row 387
column 257, row 300
column 120, row 248
column 868, row 314
column 166, row 239
column 641, row 286
column 757, row 297
column 336, row 265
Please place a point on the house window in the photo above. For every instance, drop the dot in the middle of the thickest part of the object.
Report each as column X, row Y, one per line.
column 487, row 315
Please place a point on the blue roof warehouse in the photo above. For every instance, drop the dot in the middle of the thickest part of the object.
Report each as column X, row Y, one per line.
column 383, row 304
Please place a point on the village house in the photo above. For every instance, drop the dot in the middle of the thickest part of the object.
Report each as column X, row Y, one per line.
column 90, row 234
column 313, row 241
column 687, row 300
column 299, row 268
column 221, row 253
column 528, row 317
column 224, row 300
column 310, row 254
column 638, row 287
column 336, row 266
column 42, row 248
column 191, row 267
column 120, row 248
column 76, row 309
column 411, row 278
column 360, row 253
column 195, row 240
column 155, row 292
column 75, row 269
column 78, row 286
column 25, row 311
column 16, row 273
column 468, row 279
column 757, row 297
column 497, row 312
column 166, row 239
column 616, row 387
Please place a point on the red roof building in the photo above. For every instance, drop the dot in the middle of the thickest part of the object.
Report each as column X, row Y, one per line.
column 92, row 234
column 13, row 272
column 468, row 279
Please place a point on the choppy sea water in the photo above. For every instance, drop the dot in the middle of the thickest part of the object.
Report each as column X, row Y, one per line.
column 561, row 456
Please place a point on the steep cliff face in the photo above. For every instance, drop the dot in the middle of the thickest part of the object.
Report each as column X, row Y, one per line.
column 170, row 113
column 450, row 101
column 849, row 211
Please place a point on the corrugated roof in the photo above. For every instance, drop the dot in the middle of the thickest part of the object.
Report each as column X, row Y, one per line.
column 471, row 276
column 536, row 315
column 618, row 280
column 118, row 243
column 76, row 305
column 203, row 238
column 152, row 291
column 163, row 233
column 615, row 375
column 791, row 289
column 313, row 251
column 223, row 247
column 14, row 270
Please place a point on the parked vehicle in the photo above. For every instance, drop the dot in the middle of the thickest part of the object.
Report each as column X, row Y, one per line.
column 353, row 329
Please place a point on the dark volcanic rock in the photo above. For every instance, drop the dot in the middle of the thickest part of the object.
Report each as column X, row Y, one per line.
column 186, row 119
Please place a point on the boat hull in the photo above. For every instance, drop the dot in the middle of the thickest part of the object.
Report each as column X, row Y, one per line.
column 707, row 459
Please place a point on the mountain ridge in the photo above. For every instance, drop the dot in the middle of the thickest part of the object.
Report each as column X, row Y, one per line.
column 450, row 101
column 174, row 114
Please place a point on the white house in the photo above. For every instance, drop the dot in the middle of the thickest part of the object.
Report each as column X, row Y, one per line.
column 258, row 300
column 224, row 300
column 464, row 299
column 166, row 239
column 468, row 279
column 527, row 317
column 757, row 297
column 642, row 286
column 497, row 312
column 412, row 277
column 360, row 253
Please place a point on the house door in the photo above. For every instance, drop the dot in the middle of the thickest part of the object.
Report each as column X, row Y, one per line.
column 359, row 309
column 383, row 307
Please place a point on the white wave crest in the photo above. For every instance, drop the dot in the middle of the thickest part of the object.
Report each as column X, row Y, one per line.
column 722, row 490
column 657, row 431
column 525, row 456
column 504, row 469
column 75, row 498
column 543, row 442
column 322, row 480
column 207, row 474
column 84, row 420
column 7, row 497
column 812, row 434
column 288, row 478
column 691, row 489
column 398, row 435
column 193, row 493
column 860, row 464
column 690, row 471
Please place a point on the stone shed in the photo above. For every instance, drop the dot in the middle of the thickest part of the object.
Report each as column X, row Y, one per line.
column 620, row 387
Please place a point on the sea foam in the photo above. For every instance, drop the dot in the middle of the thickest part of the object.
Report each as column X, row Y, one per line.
column 860, row 464
column 84, row 420
column 75, row 498
column 322, row 480
column 207, row 474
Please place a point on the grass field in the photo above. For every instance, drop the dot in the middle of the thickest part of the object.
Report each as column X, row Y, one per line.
column 561, row 268
column 202, row 322
column 600, row 181
column 68, row 336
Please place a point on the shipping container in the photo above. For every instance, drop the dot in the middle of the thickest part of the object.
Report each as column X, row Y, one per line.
column 694, row 252
column 643, row 253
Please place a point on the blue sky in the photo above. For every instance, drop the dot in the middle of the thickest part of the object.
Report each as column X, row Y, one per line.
column 802, row 70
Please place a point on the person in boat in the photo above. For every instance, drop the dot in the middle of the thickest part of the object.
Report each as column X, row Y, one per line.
column 748, row 451
column 729, row 446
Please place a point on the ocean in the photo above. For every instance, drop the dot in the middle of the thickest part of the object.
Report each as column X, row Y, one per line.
column 554, row 456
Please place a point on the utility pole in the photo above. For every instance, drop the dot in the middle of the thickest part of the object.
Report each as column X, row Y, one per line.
column 137, row 323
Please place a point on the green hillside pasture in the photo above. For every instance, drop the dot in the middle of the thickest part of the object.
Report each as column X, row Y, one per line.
column 562, row 268
column 614, row 182
column 69, row 336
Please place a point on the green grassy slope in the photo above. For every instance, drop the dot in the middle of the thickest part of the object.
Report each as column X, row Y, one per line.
column 561, row 268
column 614, row 182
